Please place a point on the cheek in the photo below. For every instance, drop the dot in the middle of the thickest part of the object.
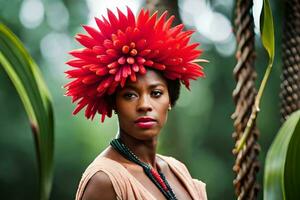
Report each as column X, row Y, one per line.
column 121, row 105
column 124, row 112
column 165, row 115
column 125, row 121
column 163, row 111
column 163, row 119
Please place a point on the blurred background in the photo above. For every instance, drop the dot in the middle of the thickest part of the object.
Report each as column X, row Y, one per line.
column 199, row 128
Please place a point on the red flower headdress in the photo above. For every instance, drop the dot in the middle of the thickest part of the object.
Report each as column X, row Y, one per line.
column 122, row 47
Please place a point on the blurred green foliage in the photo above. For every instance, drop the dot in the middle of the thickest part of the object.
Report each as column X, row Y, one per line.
column 198, row 131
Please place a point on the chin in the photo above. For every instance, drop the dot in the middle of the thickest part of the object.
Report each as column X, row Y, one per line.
column 145, row 134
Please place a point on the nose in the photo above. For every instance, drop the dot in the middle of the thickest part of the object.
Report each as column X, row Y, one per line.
column 144, row 104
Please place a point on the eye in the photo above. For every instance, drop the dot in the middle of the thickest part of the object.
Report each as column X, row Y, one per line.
column 156, row 93
column 129, row 95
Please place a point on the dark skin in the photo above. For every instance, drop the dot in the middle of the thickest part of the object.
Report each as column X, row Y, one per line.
column 148, row 96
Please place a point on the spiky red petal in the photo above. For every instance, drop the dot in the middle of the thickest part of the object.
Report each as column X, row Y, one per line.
column 121, row 48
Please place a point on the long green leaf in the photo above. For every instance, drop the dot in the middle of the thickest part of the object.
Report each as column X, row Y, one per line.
column 28, row 81
column 282, row 174
column 292, row 166
column 267, row 30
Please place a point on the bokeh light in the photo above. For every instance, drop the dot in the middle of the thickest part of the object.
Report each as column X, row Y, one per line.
column 31, row 13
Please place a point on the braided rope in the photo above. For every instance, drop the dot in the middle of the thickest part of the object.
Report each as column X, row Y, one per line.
column 246, row 165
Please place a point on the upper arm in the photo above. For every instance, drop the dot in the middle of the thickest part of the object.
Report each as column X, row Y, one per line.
column 99, row 188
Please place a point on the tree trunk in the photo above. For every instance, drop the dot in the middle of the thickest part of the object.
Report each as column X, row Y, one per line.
column 290, row 85
column 246, row 165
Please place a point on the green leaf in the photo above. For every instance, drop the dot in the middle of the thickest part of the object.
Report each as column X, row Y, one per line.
column 292, row 173
column 282, row 174
column 267, row 30
column 29, row 83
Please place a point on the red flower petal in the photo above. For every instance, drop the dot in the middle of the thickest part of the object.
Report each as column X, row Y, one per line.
column 121, row 47
column 85, row 40
column 94, row 33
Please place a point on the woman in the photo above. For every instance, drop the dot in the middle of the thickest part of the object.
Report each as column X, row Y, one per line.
column 134, row 67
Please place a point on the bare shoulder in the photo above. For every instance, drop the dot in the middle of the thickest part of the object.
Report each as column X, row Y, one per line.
column 99, row 187
column 172, row 160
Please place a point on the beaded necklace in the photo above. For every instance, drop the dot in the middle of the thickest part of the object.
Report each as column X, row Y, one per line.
column 156, row 177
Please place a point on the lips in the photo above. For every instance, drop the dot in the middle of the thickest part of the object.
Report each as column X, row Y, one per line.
column 145, row 122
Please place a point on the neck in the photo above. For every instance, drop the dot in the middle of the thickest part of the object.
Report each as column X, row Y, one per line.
column 145, row 150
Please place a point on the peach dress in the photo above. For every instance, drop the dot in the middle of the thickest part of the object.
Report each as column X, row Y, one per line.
column 129, row 188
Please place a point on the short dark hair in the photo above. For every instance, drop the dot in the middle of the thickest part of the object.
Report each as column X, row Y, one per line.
column 174, row 90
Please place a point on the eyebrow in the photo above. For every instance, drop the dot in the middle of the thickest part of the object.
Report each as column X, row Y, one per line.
column 154, row 85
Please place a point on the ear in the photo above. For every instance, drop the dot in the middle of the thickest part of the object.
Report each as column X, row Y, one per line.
column 170, row 107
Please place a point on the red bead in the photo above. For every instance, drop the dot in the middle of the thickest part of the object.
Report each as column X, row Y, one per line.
column 158, row 179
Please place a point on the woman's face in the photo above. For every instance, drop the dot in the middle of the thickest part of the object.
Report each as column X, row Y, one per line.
column 142, row 106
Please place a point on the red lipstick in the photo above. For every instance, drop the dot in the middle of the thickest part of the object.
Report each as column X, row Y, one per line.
column 145, row 122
